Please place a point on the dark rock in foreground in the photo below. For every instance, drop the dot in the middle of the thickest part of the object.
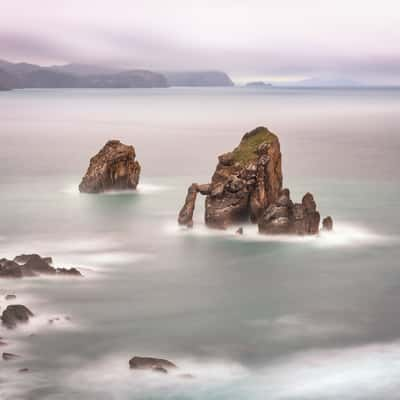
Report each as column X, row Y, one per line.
column 24, row 258
column 113, row 168
column 151, row 363
column 247, row 186
column 27, row 265
column 10, row 269
column 15, row 314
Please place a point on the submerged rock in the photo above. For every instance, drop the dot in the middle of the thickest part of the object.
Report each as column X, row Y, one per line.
column 327, row 223
column 68, row 271
column 113, row 168
column 151, row 363
column 10, row 297
column 15, row 314
column 247, row 186
column 239, row 231
column 9, row 356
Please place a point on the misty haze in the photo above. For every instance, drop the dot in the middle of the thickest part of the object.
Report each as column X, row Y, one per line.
column 198, row 200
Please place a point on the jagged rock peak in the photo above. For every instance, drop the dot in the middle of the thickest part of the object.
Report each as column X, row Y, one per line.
column 244, row 183
column 113, row 168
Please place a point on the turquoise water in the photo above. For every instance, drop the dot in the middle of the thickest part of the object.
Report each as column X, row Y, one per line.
column 250, row 317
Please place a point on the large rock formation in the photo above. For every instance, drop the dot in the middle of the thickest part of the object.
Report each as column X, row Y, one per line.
column 247, row 185
column 245, row 182
column 113, row 168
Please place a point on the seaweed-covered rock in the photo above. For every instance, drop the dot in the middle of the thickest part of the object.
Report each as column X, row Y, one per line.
column 151, row 363
column 113, row 168
column 15, row 314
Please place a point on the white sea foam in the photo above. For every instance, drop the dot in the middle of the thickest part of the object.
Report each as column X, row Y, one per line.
column 360, row 372
column 116, row 377
column 344, row 234
column 142, row 188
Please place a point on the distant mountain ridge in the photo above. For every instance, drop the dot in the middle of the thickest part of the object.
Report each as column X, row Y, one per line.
column 198, row 78
column 24, row 75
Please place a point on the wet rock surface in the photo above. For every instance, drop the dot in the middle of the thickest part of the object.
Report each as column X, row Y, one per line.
column 15, row 314
column 247, row 186
column 28, row 265
column 113, row 168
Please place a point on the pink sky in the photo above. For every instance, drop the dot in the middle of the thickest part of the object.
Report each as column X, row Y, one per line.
column 271, row 40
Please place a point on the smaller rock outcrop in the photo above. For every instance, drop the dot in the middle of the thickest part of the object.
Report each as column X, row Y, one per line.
column 15, row 314
column 10, row 297
column 113, row 168
column 152, row 364
column 32, row 265
column 286, row 217
column 327, row 224
column 24, row 258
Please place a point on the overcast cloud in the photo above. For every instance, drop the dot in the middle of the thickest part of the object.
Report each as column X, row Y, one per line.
column 271, row 40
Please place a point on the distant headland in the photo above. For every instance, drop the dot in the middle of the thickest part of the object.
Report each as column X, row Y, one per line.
column 24, row 75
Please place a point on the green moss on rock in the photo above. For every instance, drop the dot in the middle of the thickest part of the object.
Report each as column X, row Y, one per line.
column 247, row 149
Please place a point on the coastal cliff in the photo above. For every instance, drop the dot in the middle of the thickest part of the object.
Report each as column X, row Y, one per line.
column 247, row 186
column 113, row 168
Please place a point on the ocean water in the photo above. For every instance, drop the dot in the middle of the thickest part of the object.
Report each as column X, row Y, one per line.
column 249, row 317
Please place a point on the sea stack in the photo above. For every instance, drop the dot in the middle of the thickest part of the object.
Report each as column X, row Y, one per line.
column 113, row 168
column 247, row 186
